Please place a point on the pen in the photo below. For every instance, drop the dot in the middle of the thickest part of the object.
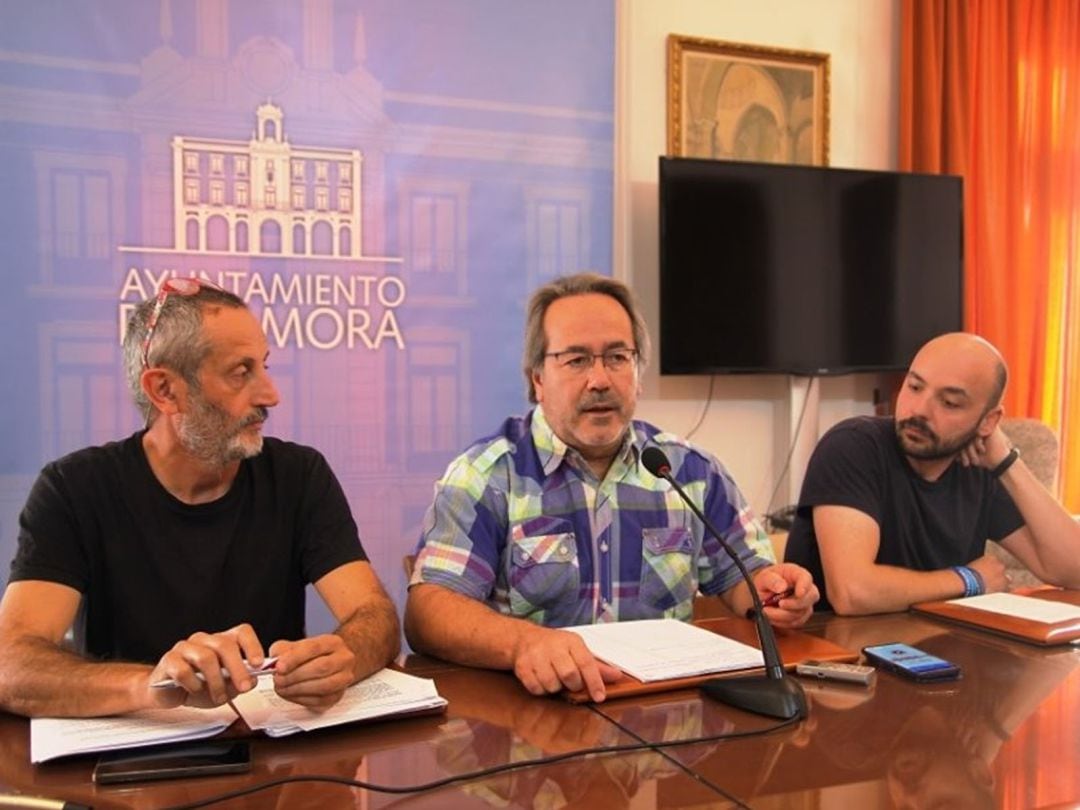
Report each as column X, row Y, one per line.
column 772, row 601
column 267, row 668
column 40, row 803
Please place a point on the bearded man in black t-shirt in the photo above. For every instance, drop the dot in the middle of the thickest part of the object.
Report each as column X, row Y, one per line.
column 183, row 551
column 898, row 511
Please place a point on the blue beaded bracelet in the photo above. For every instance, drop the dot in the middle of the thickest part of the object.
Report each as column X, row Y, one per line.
column 973, row 582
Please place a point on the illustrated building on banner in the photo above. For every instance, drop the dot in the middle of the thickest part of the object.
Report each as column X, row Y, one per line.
column 266, row 196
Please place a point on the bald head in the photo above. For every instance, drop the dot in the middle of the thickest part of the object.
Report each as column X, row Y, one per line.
column 972, row 361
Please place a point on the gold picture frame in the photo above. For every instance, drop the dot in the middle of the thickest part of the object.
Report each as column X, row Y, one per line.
column 747, row 102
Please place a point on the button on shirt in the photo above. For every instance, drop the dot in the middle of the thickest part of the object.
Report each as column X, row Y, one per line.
column 521, row 523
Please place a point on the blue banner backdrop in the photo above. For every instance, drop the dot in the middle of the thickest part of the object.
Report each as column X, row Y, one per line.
column 383, row 181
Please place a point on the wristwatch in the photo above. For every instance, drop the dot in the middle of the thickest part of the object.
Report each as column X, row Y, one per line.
column 1005, row 463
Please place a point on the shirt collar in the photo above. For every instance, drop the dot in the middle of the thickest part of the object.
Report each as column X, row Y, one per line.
column 553, row 451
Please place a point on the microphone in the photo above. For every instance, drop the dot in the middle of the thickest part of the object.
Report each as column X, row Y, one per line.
column 775, row 693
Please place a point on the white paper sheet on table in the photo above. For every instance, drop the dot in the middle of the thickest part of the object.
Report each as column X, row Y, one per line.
column 52, row 737
column 1021, row 607
column 660, row 649
column 387, row 692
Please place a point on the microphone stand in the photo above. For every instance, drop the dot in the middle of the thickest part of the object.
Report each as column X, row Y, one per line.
column 775, row 693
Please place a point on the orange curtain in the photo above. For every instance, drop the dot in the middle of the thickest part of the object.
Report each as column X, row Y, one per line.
column 990, row 90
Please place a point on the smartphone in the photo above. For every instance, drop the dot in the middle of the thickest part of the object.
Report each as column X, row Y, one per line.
column 173, row 761
column 911, row 662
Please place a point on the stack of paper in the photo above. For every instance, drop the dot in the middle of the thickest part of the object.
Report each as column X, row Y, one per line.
column 662, row 649
column 1021, row 607
column 387, row 692
column 52, row 737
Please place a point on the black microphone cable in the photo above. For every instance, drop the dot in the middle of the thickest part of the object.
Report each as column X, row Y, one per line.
column 483, row 773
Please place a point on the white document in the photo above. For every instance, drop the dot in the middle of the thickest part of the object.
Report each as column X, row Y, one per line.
column 385, row 693
column 1021, row 607
column 659, row 649
column 52, row 737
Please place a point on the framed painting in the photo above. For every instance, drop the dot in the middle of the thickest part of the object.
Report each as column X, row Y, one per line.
column 747, row 102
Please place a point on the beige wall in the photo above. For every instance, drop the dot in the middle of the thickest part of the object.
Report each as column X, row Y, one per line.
column 749, row 423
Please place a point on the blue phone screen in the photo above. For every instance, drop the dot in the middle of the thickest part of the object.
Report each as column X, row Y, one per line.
column 910, row 658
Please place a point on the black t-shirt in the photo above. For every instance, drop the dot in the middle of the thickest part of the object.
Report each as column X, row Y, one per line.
column 924, row 525
column 153, row 570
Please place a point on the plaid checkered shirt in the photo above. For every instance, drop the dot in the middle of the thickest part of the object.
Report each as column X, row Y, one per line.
column 521, row 523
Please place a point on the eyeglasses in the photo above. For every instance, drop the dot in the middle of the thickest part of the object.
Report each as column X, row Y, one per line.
column 179, row 286
column 577, row 361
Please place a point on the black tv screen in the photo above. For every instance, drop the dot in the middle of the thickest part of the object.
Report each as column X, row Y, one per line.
column 804, row 269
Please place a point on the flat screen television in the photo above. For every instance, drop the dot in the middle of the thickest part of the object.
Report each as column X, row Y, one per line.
column 804, row 269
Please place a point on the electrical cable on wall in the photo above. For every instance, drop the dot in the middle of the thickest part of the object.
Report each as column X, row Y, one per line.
column 704, row 410
column 771, row 519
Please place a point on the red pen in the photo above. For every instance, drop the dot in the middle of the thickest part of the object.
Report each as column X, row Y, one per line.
column 772, row 601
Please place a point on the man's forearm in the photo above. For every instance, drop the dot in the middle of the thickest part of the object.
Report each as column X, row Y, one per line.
column 887, row 589
column 737, row 598
column 1053, row 552
column 374, row 636
column 40, row 679
column 457, row 628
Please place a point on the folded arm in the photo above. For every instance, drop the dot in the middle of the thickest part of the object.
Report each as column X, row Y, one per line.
column 848, row 540
column 455, row 627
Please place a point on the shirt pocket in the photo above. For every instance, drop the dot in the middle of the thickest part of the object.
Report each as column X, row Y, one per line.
column 544, row 569
column 668, row 578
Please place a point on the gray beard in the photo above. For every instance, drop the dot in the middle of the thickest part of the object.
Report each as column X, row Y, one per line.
column 212, row 436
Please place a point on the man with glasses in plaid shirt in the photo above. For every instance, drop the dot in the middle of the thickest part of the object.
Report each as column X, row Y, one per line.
column 554, row 522
column 186, row 548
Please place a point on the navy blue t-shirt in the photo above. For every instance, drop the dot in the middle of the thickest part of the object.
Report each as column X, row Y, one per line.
column 153, row 570
column 924, row 525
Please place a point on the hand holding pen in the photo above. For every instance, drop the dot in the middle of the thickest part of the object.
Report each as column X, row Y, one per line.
column 772, row 601
column 265, row 668
column 791, row 593
column 208, row 669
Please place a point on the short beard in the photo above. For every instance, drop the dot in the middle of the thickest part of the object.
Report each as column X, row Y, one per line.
column 936, row 449
column 209, row 434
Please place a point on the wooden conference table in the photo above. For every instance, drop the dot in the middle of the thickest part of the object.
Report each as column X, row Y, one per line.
column 1006, row 735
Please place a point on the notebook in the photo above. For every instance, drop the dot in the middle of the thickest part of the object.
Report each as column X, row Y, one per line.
column 794, row 646
column 1045, row 616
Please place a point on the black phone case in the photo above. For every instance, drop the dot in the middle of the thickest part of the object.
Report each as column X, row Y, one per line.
column 172, row 761
column 934, row 676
